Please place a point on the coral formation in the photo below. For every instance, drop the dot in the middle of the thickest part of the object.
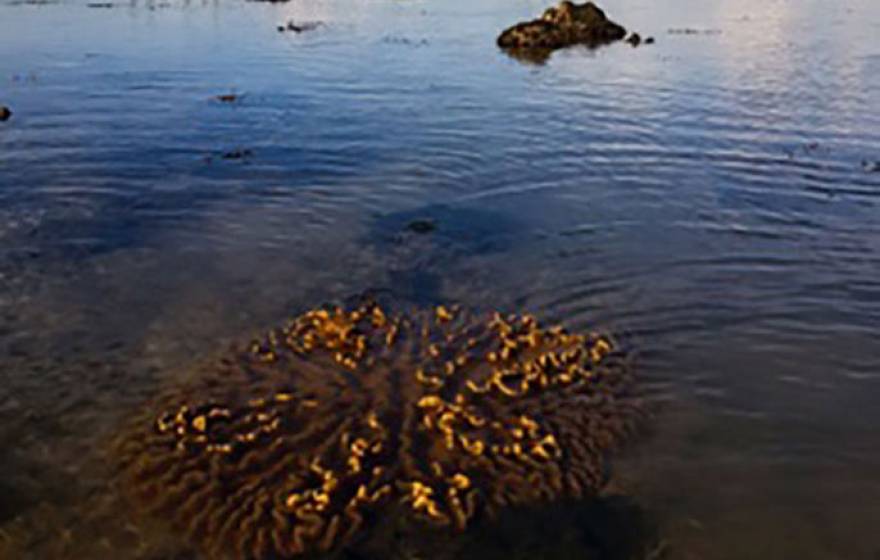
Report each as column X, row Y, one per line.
column 562, row 26
column 292, row 444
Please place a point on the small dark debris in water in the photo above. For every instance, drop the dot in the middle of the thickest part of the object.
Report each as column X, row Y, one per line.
column 806, row 150
column 237, row 154
column 634, row 39
column 871, row 166
column 421, row 226
column 299, row 27
column 102, row 5
column 5, row 113
column 649, row 41
column 397, row 40
column 692, row 31
column 25, row 78
column 462, row 230
column 32, row 2
column 227, row 97
column 814, row 147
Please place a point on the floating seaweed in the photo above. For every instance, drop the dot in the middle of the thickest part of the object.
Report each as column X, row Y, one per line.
column 227, row 97
column 299, row 27
column 292, row 444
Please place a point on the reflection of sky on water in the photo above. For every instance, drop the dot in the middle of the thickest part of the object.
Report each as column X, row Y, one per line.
column 704, row 195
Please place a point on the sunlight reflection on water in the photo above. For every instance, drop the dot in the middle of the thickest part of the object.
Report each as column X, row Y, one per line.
column 709, row 195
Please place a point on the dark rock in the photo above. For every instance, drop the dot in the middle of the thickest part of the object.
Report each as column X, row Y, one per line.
column 649, row 41
column 562, row 26
column 299, row 27
column 530, row 55
column 635, row 39
column 5, row 113
column 237, row 154
column 421, row 226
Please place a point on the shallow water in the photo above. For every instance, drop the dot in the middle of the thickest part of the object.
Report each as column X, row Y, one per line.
column 712, row 196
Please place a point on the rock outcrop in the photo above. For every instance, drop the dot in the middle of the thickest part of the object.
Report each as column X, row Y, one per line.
column 562, row 26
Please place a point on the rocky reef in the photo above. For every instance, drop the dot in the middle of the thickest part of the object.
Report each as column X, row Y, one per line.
column 300, row 440
column 561, row 26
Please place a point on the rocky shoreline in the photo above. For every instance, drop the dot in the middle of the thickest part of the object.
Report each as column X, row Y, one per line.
column 561, row 26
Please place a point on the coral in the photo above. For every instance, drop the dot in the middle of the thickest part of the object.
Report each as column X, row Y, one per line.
column 562, row 26
column 293, row 443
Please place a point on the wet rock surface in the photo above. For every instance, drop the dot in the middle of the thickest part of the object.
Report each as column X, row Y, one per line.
column 562, row 26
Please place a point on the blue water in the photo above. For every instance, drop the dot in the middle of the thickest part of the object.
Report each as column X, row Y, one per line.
column 713, row 196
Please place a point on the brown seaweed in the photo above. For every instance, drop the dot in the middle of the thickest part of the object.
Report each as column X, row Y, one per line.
column 292, row 444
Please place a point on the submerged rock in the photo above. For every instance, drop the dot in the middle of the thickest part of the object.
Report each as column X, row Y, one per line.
column 5, row 113
column 421, row 226
column 419, row 247
column 562, row 26
column 237, row 154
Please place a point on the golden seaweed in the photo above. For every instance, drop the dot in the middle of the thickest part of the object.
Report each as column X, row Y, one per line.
column 293, row 443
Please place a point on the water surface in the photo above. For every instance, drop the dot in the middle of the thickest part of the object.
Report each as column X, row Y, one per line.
column 711, row 196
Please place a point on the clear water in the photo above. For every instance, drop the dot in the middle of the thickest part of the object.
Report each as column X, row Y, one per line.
column 712, row 195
